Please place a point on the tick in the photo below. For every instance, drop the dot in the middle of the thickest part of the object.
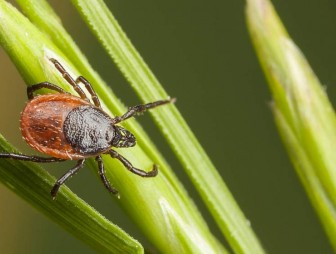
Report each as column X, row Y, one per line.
column 67, row 127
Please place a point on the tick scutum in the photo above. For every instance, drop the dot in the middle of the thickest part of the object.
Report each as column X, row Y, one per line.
column 89, row 130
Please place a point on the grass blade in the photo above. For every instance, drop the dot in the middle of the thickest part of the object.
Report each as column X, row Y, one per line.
column 303, row 113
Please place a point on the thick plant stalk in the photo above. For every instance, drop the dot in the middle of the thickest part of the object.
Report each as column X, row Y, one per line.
column 302, row 111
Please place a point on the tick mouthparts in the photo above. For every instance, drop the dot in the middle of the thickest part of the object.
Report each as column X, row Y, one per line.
column 123, row 138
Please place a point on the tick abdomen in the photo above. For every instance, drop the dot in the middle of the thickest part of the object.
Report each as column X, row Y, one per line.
column 88, row 129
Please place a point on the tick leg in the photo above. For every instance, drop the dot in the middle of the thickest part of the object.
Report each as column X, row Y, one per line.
column 103, row 176
column 130, row 167
column 89, row 88
column 33, row 88
column 69, row 79
column 22, row 157
column 132, row 111
column 65, row 177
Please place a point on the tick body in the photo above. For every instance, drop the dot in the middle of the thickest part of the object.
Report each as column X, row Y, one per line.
column 67, row 127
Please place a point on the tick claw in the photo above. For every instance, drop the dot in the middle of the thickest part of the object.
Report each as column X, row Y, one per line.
column 154, row 171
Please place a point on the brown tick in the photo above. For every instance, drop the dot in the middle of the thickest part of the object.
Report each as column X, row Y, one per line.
column 67, row 127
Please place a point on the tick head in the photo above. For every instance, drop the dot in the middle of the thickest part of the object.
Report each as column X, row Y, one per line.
column 123, row 138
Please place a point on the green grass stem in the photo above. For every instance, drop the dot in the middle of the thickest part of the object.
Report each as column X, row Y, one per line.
column 304, row 116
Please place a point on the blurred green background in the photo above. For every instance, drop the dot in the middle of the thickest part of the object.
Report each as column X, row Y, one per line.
column 202, row 54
